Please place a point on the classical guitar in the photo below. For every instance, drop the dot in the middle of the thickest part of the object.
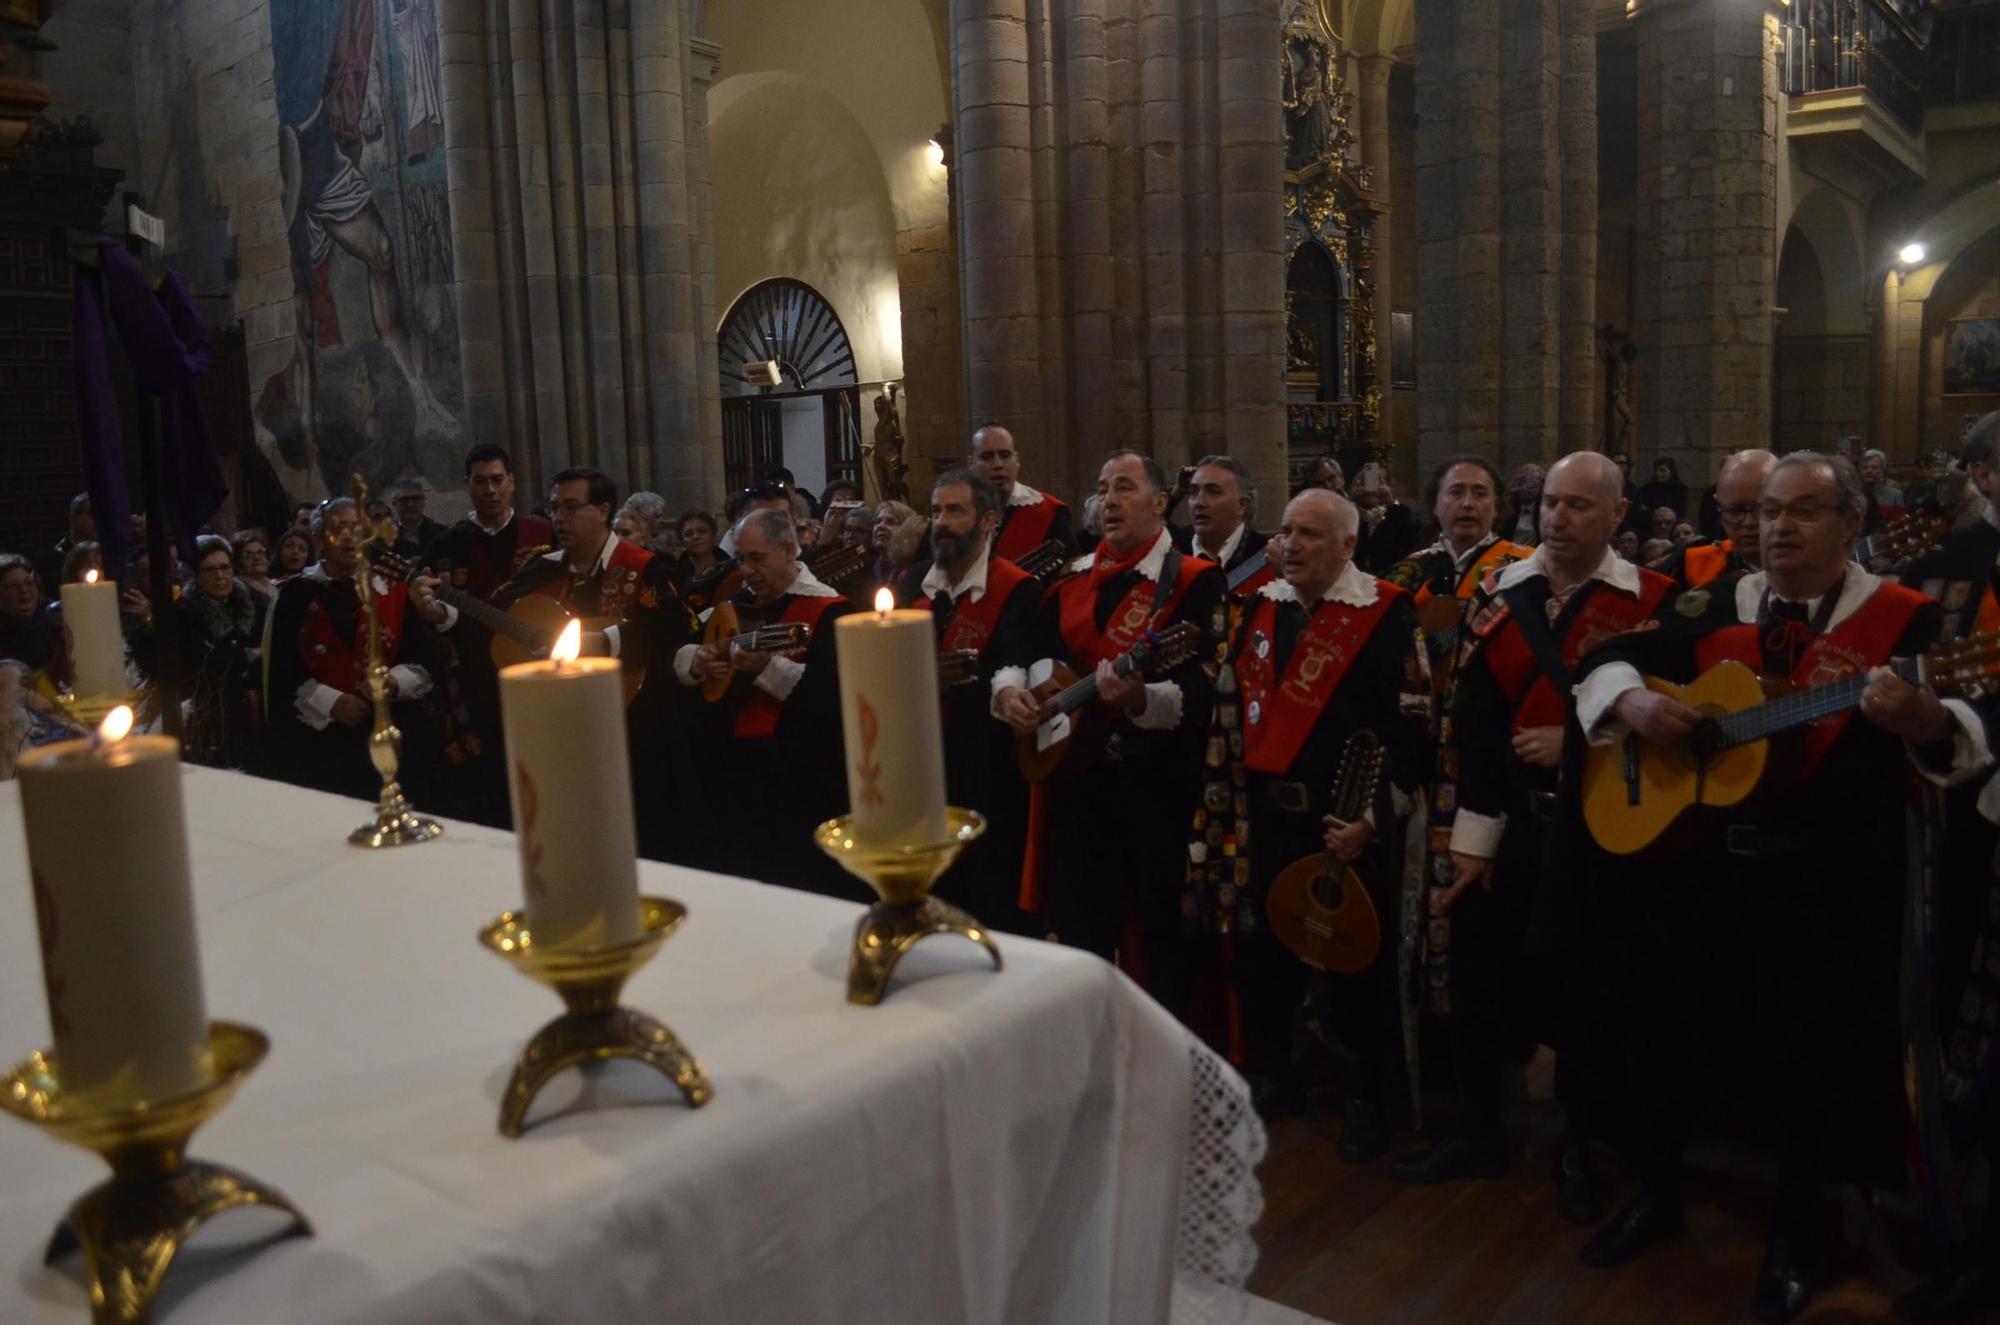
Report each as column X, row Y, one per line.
column 1904, row 540
column 1063, row 693
column 522, row 632
column 1636, row 792
column 1318, row 906
column 1044, row 562
column 725, row 629
column 725, row 578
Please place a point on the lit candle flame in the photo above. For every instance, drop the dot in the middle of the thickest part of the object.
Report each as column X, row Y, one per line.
column 569, row 644
column 884, row 600
column 90, row 577
column 116, row 723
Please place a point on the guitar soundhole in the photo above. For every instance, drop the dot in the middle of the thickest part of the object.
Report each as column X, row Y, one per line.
column 1328, row 892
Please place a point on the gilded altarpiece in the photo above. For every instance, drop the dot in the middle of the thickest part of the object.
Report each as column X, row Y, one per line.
column 1332, row 369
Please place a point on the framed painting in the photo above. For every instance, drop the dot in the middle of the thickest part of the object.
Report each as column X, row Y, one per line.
column 1972, row 356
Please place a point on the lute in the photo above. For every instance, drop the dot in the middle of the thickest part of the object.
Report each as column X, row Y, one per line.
column 1318, row 906
column 1636, row 792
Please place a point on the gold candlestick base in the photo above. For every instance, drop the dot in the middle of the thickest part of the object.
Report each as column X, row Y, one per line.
column 907, row 912
column 89, row 711
column 395, row 824
column 595, row 1028
column 131, row 1227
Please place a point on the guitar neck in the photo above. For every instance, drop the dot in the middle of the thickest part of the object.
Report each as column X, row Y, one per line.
column 1073, row 697
column 1787, row 712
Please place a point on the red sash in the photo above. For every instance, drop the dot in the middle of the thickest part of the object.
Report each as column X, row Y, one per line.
column 1277, row 719
column 1866, row 639
column 1027, row 528
column 757, row 720
column 1132, row 618
column 334, row 662
column 1607, row 612
column 972, row 624
column 1706, row 563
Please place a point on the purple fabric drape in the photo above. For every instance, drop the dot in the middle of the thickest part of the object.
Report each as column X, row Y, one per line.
column 168, row 347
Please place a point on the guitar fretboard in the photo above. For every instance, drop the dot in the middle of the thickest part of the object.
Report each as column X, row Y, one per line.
column 1773, row 716
column 1073, row 697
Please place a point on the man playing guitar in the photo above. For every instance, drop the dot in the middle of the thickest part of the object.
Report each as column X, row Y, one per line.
column 1783, row 925
column 1113, row 839
column 1325, row 652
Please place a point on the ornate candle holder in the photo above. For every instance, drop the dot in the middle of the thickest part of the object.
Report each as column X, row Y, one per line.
column 88, row 712
column 131, row 1226
column 595, row 1027
column 395, row 823
column 907, row 912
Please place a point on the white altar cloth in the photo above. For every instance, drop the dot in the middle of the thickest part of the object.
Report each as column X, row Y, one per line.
column 981, row 1148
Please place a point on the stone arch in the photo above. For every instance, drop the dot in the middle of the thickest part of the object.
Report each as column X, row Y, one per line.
column 1801, row 285
column 1949, row 232
column 1381, row 27
column 799, row 191
column 1819, row 372
column 1827, row 221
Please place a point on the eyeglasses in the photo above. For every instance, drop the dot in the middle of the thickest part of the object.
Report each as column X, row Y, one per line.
column 1742, row 513
column 1804, row 512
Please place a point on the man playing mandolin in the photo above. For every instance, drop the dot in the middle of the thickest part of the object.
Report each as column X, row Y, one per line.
column 1320, row 655
column 1113, row 837
column 770, row 748
column 1777, row 924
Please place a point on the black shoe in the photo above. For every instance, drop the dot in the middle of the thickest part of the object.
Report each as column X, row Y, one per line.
column 1969, row 1293
column 1785, row 1283
column 1364, row 1132
column 1647, row 1218
column 1451, row 1161
column 1577, row 1200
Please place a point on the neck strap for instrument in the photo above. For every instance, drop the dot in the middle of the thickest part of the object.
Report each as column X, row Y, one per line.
column 1534, row 626
column 1170, row 575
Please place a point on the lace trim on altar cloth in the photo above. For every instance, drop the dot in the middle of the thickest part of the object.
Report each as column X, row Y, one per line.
column 1220, row 1196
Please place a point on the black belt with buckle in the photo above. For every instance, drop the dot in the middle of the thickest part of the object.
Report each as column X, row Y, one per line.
column 1291, row 797
column 1756, row 841
column 1542, row 804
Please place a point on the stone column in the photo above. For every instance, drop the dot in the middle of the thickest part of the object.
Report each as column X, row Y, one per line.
column 1374, row 78
column 580, row 301
column 1707, row 198
column 1579, row 373
column 1437, row 237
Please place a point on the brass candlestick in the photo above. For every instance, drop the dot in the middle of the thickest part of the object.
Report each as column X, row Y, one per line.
column 131, row 1226
column 595, row 1027
column 88, row 712
column 907, row 912
column 395, row 824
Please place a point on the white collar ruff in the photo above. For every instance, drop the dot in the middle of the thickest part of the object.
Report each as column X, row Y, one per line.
column 1149, row 565
column 1023, row 495
column 1353, row 586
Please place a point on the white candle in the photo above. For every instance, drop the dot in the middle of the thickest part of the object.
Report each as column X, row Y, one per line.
column 108, row 862
column 894, row 731
column 96, row 643
column 564, row 722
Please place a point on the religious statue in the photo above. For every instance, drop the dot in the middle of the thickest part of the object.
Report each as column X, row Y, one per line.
column 1309, row 103
column 885, row 452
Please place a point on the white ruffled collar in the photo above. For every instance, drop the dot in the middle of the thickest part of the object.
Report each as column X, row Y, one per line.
column 1353, row 586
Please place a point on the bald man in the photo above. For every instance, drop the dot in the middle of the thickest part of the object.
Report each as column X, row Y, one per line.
column 1698, row 565
column 1027, row 518
column 1530, row 625
column 1323, row 653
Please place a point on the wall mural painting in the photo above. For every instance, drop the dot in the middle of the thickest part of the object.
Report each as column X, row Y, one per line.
column 1972, row 356
column 372, row 384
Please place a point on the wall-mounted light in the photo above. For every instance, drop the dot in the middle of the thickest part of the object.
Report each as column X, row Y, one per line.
column 1911, row 254
column 934, row 153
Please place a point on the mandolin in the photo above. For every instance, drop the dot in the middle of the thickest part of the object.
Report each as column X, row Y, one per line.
column 1062, row 693
column 1636, row 793
column 724, row 630
column 1904, row 540
column 1046, row 561
column 522, row 632
column 1318, row 906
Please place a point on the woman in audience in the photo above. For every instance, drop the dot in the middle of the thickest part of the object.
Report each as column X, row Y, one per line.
column 253, row 563
column 1666, row 489
column 644, row 522
column 26, row 632
column 221, row 628
column 294, row 553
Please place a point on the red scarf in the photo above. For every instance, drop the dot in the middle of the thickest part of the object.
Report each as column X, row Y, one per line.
column 1106, row 568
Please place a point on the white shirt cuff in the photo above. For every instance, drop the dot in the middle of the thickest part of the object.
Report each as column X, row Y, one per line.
column 314, row 704
column 1595, row 696
column 450, row 618
column 412, row 682
column 684, row 664
column 1163, row 707
column 780, row 677
column 1989, row 800
column 611, row 642
column 1968, row 749
column 1477, row 834
column 1006, row 678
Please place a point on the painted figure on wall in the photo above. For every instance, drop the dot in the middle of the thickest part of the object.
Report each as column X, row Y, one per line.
column 373, row 383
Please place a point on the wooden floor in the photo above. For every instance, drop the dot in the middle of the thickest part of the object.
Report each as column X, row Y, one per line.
column 1351, row 1245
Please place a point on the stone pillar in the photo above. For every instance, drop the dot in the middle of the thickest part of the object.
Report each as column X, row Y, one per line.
column 1707, row 199
column 1506, row 183
column 1121, row 246
column 580, row 300
column 699, row 469
column 1374, row 79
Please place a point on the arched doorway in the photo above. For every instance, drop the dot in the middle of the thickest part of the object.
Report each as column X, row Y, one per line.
column 808, row 418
